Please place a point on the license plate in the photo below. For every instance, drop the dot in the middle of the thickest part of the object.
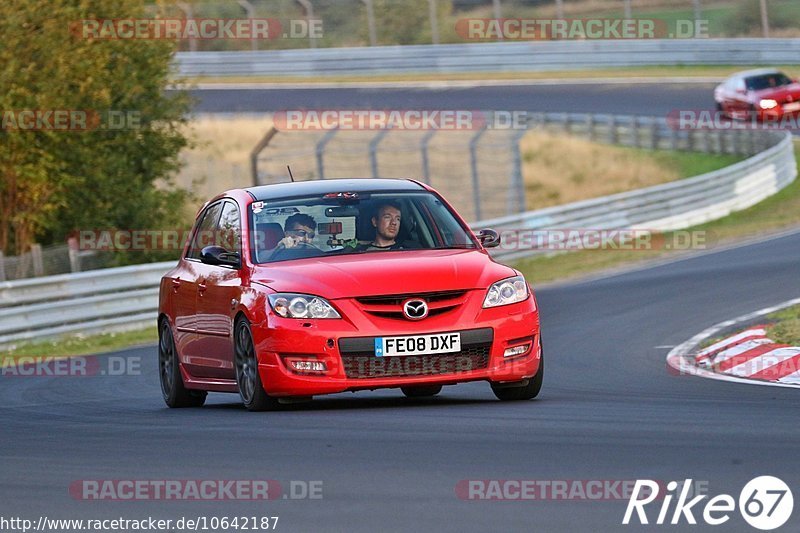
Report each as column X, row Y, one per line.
column 418, row 344
column 794, row 106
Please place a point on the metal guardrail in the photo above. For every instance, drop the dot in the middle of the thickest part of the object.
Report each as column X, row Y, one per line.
column 489, row 57
column 667, row 207
column 71, row 303
column 37, row 308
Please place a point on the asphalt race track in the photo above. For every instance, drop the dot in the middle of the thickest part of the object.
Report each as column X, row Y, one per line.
column 609, row 409
column 641, row 99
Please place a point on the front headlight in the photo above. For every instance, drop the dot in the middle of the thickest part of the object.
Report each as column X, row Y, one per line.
column 506, row 291
column 290, row 305
column 768, row 104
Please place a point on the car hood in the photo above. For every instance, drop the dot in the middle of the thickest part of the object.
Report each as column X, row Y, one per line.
column 780, row 93
column 376, row 273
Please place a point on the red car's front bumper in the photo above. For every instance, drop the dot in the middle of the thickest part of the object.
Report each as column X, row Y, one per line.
column 345, row 346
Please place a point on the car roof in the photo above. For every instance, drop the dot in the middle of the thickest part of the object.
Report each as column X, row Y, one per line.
column 757, row 72
column 314, row 187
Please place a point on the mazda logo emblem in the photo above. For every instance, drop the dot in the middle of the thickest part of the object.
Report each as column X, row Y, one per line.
column 415, row 309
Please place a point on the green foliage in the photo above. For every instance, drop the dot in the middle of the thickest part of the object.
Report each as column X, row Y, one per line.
column 55, row 182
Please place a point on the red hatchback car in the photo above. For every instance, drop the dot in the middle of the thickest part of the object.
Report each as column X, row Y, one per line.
column 294, row 290
column 763, row 94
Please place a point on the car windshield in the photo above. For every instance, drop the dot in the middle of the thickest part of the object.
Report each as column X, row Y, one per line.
column 353, row 223
column 767, row 81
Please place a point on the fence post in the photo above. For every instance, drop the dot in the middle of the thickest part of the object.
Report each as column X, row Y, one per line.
column 251, row 14
column 74, row 255
column 373, row 34
column 473, row 159
column 590, row 126
column 321, row 152
column 373, row 151
column 635, row 132
column 612, row 130
column 423, row 147
column 517, row 189
column 654, row 135
column 673, row 139
column 308, row 7
column 2, row 267
column 187, row 11
column 36, row 256
column 263, row 143
column 434, row 16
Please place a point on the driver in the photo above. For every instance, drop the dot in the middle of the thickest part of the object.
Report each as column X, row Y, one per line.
column 300, row 230
column 387, row 226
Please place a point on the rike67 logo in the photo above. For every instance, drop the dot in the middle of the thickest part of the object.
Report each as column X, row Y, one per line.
column 765, row 503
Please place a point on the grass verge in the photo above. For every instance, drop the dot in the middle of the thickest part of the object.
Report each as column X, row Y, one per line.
column 83, row 344
column 786, row 326
column 777, row 212
column 678, row 71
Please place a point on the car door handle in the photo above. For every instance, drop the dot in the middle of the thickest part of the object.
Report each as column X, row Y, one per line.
column 176, row 283
column 202, row 287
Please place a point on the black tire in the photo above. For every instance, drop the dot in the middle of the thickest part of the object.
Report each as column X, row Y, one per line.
column 421, row 392
column 254, row 397
column 173, row 390
column 510, row 393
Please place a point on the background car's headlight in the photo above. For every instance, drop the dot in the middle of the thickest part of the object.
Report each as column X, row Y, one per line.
column 768, row 104
column 506, row 291
column 289, row 305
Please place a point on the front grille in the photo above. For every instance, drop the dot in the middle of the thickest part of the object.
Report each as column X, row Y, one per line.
column 398, row 299
column 358, row 366
column 391, row 306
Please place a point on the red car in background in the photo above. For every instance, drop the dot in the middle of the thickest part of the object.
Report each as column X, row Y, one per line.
column 294, row 290
column 763, row 93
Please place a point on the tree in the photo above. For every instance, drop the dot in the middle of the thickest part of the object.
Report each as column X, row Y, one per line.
column 54, row 182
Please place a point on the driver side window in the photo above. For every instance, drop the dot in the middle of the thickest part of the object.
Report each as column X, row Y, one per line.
column 229, row 234
column 204, row 234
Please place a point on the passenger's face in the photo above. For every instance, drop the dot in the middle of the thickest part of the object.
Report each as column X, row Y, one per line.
column 301, row 233
column 387, row 223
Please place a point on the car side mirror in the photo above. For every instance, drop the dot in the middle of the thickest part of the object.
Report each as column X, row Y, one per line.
column 219, row 256
column 489, row 238
column 741, row 91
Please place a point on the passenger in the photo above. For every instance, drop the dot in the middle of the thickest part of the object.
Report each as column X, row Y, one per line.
column 300, row 230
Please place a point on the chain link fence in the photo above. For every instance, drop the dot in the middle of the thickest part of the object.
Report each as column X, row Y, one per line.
column 51, row 260
column 480, row 172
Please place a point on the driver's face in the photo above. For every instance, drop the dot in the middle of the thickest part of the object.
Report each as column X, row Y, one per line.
column 387, row 223
column 301, row 233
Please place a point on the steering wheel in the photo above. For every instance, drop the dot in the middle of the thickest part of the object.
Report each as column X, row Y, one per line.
column 300, row 246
